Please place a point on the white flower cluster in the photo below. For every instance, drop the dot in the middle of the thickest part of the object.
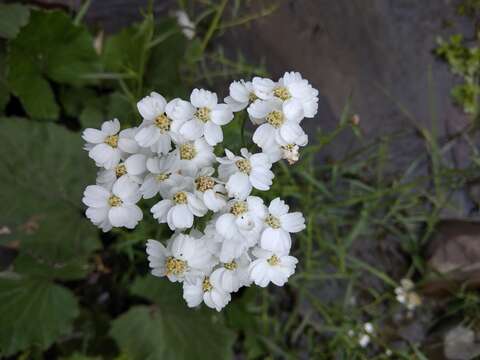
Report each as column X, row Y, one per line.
column 171, row 154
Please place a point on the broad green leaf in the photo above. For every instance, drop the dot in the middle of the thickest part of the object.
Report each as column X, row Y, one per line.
column 12, row 18
column 43, row 173
column 33, row 312
column 169, row 329
column 52, row 48
column 164, row 68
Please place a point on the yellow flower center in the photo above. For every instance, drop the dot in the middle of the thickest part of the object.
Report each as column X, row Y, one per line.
column 120, row 170
column 203, row 114
column 239, row 208
column 244, row 166
column 252, row 97
column 111, row 140
column 180, row 198
column 282, row 93
column 273, row 260
column 162, row 177
column 206, row 285
column 175, row 266
column 187, row 151
column 272, row 221
column 204, row 183
column 275, row 118
column 114, row 201
column 163, row 123
column 230, row 266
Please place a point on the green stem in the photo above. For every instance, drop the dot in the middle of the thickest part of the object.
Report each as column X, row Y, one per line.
column 214, row 24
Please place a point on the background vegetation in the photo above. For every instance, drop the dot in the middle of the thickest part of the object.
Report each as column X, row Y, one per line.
column 69, row 292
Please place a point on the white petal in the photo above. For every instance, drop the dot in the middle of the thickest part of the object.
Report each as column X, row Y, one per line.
column 213, row 133
column 160, row 210
column 293, row 222
column 151, row 106
column 147, row 136
column 293, row 110
column 111, row 127
column 278, row 207
column 221, row 114
column 95, row 196
column 276, row 240
column 203, row 98
column 261, row 178
column 239, row 186
column 136, row 164
column 180, row 217
column 192, row 129
column 93, row 136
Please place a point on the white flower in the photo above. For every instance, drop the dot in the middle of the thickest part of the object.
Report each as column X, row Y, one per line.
column 209, row 190
column 271, row 267
column 184, row 258
column 161, row 121
column 232, row 275
column 193, row 155
column 243, row 222
column 406, row 295
column 293, row 86
column 179, row 207
column 187, row 26
column 206, row 290
column 133, row 168
column 162, row 176
column 113, row 208
column 105, row 146
column 263, row 87
column 241, row 95
column 208, row 118
column 364, row 340
column 280, row 223
column 241, row 173
column 280, row 123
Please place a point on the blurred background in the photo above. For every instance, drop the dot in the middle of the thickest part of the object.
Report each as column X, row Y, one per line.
column 389, row 184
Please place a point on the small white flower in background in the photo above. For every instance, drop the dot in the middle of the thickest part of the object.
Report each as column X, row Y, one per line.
column 187, row 26
column 180, row 206
column 271, row 267
column 242, row 173
column 208, row 117
column 170, row 157
column 363, row 336
column 407, row 296
column 115, row 208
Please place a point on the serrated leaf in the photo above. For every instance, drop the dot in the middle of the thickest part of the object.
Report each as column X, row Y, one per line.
column 43, row 175
column 50, row 47
column 169, row 329
column 33, row 312
column 12, row 18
